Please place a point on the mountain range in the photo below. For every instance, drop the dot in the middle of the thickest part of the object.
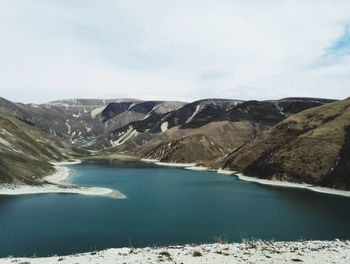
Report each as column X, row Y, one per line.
column 270, row 139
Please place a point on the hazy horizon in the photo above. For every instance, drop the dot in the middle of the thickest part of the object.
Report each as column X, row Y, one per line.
column 126, row 99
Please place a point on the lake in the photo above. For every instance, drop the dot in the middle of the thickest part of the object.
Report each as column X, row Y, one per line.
column 164, row 206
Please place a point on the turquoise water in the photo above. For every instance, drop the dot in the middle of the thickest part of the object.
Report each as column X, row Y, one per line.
column 164, row 206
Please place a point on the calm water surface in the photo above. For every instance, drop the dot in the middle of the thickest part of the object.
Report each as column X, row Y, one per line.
column 164, row 206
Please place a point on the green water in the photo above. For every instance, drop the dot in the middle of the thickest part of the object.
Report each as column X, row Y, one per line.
column 164, row 206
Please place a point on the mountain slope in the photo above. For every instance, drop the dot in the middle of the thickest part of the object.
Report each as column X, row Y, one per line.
column 135, row 126
column 229, row 123
column 188, row 149
column 72, row 119
column 202, row 112
column 25, row 151
column 84, row 121
column 311, row 146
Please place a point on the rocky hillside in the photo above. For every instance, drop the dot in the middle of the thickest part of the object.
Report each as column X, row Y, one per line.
column 202, row 112
column 25, row 151
column 129, row 123
column 310, row 147
column 82, row 121
column 190, row 149
column 137, row 126
column 201, row 131
column 228, row 123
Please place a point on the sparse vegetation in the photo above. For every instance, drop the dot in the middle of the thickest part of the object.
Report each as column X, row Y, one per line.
column 222, row 253
column 26, row 150
column 165, row 254
column 303, row 148
column 196, row 254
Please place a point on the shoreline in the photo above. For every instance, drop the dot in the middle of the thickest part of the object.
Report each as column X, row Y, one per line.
column 198, row 168
column 56, row 183
column 312, row 251
column 150, row 160
column 241, row 176
column 168, row 164
column 174, row 164
column 61, row 163
column 319, row 189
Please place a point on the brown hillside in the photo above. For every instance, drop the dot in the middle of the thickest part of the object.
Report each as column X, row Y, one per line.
column 311, row 146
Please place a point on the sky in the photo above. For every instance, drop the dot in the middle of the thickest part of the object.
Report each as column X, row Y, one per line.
column 174, row 50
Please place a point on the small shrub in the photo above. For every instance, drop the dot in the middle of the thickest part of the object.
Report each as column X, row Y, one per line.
column 197, row 254
column 165, row 254
column 222, row 253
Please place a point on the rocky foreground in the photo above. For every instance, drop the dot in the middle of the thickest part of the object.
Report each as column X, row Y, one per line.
column 248, row 252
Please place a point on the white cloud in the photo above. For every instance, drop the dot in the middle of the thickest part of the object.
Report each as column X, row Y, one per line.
column 182, row 50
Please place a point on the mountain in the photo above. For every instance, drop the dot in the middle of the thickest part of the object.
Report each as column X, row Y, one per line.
column 144, row 108
column 228, row 123
column 128, row 124
column 190, row 149
column 25, row 151
column 137, row 127
column 312, row 146
column 275, row 139
column 71, row 119
column 82, row 121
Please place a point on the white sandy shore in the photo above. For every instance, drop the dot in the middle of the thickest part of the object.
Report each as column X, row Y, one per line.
column 173, row 164
column 62, row 163
column 197, row 168
column 170, row 164
column 193, row 166
column 248, row 252
column 286, row 184
column 150, row 160
column 56, row 183
column 226, row 172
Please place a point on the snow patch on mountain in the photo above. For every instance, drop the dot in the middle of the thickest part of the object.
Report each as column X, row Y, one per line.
column 97, row 111
column 69, row 129
column 150, row 112
column 164, row 126
column 131, row 132
column 198, row 107
column 34, row 105
column 5, row 132
column 5, row 142
column 133, row 104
